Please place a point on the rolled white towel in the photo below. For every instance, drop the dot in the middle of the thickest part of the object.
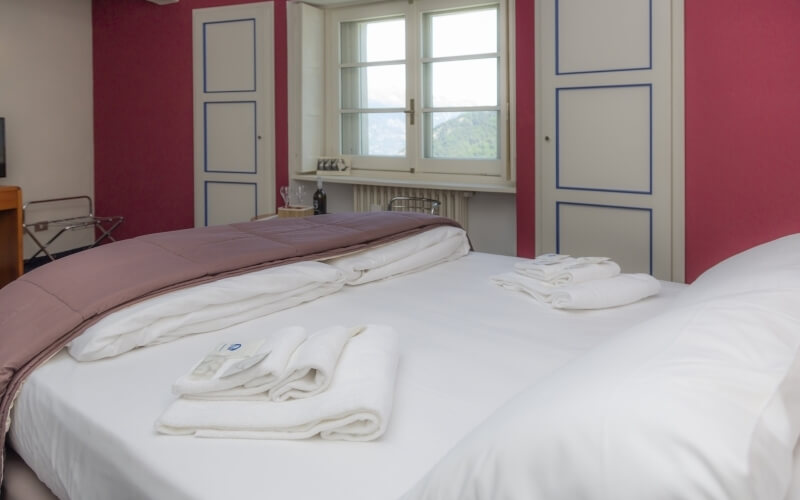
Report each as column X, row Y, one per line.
column 567, row 269
column 313, row 363
column 405, row 256
column 597, row 294
column 233, row 371
column 356, row 406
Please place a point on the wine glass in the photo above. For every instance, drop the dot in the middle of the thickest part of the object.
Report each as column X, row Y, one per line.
column 285, row 195
column 300, row 190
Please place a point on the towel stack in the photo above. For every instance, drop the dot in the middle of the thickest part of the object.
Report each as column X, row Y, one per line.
column 565, row 282
column 337, row 382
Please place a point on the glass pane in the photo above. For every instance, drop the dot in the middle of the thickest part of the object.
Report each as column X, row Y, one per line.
column 374, row 134
column 461, row 33
column 373, row 41
column 461, row 83
column 465, row 135
column 374, row 87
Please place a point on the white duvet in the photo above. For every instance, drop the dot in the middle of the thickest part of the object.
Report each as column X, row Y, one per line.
column 204, row 308
column 411, row 254
column 230, row 301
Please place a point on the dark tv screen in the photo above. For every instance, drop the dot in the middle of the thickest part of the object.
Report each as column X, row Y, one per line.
column 2, row 147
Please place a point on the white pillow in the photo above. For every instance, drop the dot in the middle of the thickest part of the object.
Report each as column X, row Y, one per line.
column 770, row 266
column 699, row 402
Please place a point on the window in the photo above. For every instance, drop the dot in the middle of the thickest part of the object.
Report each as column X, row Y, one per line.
column 419, row 87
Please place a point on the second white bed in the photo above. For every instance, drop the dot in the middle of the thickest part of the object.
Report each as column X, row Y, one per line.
column 466, row 345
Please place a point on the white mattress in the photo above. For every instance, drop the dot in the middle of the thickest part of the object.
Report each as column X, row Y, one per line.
column 467, row 346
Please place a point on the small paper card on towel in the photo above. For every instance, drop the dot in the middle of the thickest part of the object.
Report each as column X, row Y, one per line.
column 229, row 358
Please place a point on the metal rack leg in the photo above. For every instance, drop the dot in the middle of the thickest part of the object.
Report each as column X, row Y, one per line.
column 107, row 232
column 43, row 248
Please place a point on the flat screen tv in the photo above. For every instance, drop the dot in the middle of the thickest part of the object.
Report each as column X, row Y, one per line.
column 2, row 147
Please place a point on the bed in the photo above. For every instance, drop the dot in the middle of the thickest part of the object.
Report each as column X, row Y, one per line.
column 495, row 397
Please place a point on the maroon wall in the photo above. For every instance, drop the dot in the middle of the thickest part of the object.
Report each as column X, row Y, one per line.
column 742, row 126
column 526, row 120
column 143, row 111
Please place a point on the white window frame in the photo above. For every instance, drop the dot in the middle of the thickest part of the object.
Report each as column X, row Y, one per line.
column 414, row 166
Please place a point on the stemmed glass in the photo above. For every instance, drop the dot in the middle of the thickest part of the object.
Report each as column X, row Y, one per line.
column 285, row 195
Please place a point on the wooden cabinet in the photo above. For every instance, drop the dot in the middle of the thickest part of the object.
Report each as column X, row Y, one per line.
column 10, row 234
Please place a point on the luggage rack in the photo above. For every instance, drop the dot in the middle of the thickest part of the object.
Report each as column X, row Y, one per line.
column 414, row 204
column 105, row 224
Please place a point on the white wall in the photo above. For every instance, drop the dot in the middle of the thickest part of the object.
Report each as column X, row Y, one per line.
column 46, row 98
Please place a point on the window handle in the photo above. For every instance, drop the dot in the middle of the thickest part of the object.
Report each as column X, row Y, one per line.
column 410, row 110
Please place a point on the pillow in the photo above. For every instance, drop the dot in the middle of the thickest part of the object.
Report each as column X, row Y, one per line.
column 699, row 402
column 772, row 265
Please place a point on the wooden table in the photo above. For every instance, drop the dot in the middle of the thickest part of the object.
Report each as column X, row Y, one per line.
column 10, row 234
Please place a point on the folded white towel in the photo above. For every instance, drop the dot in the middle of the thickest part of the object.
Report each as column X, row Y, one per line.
column 356, row 406
column 288, row 365
column 233, row 371
column 207, row 307
column 408, row 255
column 597, row 294
column 565, row 269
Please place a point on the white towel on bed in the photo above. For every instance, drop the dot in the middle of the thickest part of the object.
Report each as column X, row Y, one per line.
column 207, row 307
column 313, row 364
column 355, row 407
column 227, row 373
column 408, row 255
column 596, row 294
column 289, row 365
column 565, row 269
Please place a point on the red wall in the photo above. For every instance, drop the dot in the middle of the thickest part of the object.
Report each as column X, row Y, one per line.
column 526, row 120
column 742, row 126
column 143, row 111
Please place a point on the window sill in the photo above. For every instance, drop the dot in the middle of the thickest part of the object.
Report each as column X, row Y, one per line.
column 430, row 181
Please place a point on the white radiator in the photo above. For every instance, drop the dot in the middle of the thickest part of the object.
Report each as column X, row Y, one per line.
column 372, row 198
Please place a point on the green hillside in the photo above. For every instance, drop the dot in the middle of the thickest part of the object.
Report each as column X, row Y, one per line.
column 467, row 135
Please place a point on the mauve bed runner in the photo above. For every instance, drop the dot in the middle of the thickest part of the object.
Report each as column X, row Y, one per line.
column 43, row 310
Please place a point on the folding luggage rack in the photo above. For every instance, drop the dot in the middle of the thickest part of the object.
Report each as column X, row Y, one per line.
column 414, row 204
column 105, row 224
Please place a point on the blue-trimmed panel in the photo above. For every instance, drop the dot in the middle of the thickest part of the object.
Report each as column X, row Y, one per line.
column 255, row 137
column 649, row 166
column 557, row 31
column 251, row 88
column 649, row 211
column 205, row 198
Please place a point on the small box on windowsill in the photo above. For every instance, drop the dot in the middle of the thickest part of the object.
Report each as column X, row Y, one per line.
column 297, row 211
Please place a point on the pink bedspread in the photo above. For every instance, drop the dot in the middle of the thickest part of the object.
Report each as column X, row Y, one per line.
column 43, row 310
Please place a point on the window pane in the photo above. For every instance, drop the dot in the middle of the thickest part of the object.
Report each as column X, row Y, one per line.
column 466, row 135
column 374, row 87
column 374, row 134
column 462, row 32
column 461, row 83
column 373, row 41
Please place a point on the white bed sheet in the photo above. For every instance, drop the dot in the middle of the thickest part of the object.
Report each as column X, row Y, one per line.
column 466, row 346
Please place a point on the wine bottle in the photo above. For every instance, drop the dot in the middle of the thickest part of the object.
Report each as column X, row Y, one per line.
column 320, row 199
